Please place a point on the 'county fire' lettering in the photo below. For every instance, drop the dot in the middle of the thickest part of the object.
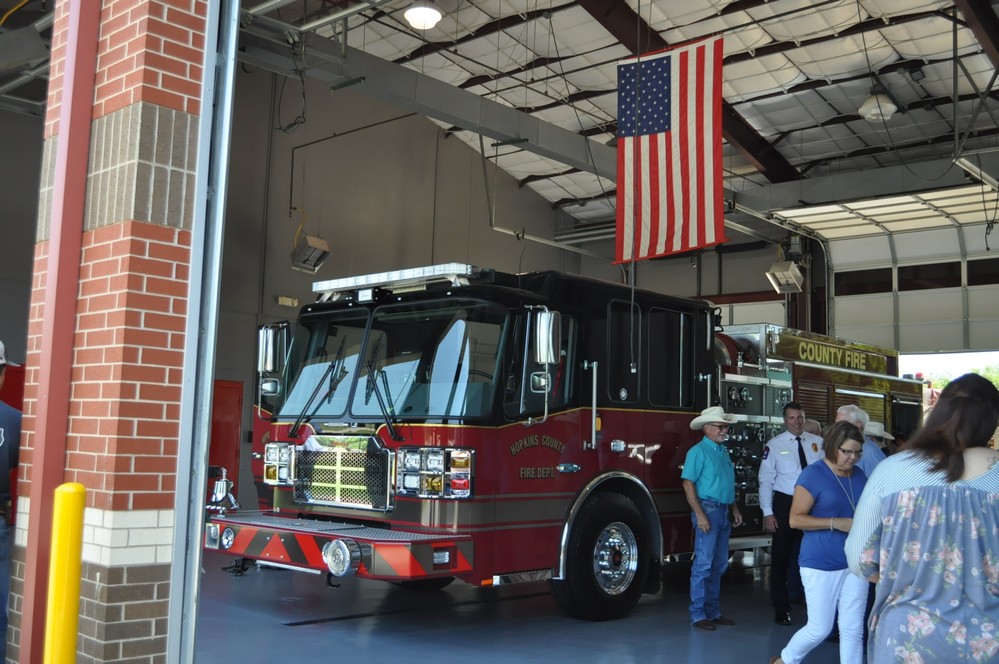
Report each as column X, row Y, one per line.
column 823, row 354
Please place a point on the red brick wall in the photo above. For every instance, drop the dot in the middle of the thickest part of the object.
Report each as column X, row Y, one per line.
column 128, row 356
column 31, row 365
column 149, row 51
column 125, row 403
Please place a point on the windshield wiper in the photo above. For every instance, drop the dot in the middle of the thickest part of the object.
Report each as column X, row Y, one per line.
column 373, row 386
column 336, row 374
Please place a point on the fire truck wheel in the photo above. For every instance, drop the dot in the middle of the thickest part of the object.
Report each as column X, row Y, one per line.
column 607, row 560
column 426, row 585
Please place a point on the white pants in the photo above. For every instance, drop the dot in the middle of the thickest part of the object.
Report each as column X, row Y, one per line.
column 825, row 592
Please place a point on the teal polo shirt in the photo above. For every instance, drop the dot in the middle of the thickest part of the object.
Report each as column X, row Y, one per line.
column 709, row 466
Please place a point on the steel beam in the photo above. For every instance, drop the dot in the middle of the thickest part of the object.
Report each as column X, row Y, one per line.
column 984, row 24
column 326, row 60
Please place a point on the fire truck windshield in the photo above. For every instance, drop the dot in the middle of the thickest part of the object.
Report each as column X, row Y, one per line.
column 421, row 360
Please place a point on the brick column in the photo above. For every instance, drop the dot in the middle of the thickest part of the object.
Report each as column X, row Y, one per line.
column 131, row 306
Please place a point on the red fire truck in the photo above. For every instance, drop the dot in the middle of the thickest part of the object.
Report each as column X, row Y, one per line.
column 455, row 422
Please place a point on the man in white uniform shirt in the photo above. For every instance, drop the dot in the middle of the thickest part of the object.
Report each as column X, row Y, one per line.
column 784, row 457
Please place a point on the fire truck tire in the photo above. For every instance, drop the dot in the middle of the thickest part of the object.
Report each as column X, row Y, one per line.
column 607, row 560
column 426, row 585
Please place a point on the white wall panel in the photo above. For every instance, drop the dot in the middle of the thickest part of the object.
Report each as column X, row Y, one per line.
column 929, row 337
column 754, row 312
column 939, row 304
column 984, row 334
column 974, row 240
column 983, row 321
column 926, row 246
column 863, row 310
column 861, row 252
column 983, row 301
column 879, row 335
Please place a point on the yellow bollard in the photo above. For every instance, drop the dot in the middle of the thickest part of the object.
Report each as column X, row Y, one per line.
column 62, row 611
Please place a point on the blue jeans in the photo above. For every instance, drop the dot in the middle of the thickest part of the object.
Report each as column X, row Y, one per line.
column 4, row 583
column 710, row 562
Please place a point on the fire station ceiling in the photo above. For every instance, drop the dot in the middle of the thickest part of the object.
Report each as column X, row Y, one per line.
column 526, row 81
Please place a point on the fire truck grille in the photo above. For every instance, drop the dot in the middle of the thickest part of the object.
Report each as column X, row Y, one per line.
column 343, row 478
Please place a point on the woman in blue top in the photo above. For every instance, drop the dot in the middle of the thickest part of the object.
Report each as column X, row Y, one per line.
column 825, row 499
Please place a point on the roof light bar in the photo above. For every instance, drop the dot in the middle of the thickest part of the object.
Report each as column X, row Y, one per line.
column 453, row 272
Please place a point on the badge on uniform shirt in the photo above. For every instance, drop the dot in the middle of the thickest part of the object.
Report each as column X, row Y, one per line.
column 766, row 451
column 815, row 447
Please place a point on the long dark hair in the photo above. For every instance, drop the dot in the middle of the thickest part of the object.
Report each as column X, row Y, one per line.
column 965, row 415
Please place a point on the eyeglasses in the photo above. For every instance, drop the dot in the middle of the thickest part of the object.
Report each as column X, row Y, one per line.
column 852, row 453
column 720, row 427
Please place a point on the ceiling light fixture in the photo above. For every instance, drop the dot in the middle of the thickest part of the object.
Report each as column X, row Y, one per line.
column 879, row 106
column 423, row 15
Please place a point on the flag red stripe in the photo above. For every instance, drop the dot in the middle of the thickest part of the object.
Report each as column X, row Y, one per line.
column 654, row 184
column 622, row 214
column 683, row 147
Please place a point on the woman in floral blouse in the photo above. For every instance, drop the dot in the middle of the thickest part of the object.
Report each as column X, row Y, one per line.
column 927, row 530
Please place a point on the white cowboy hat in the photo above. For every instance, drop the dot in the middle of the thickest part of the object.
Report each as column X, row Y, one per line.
column 877, row 430
column 713, row 415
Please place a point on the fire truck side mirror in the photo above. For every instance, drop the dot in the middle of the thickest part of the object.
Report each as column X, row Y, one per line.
column 270, row 387
column 547, row 337
column 272, row 341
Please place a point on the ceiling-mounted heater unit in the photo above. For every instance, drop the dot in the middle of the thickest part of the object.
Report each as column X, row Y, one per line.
column 785, row 277
column 310, row 253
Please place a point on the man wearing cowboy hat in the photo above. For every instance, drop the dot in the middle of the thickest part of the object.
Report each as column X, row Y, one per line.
column 876, row 432
column 709, row 484
column 871, row 454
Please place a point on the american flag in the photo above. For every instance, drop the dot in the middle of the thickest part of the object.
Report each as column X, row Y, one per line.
column 669, row 179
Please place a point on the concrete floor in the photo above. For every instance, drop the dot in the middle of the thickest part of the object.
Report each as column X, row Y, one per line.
column 269, row 614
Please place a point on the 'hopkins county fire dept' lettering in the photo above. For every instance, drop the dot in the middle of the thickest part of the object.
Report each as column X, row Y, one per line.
column 533, row 441
column 537, row 472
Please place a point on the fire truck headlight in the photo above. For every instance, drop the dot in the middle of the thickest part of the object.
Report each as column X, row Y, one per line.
column 435, row 462
column 342, row 556
column 271, row 454
column 432, row 485
column 228, row 537
column 434, row 472
column 411, row 461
